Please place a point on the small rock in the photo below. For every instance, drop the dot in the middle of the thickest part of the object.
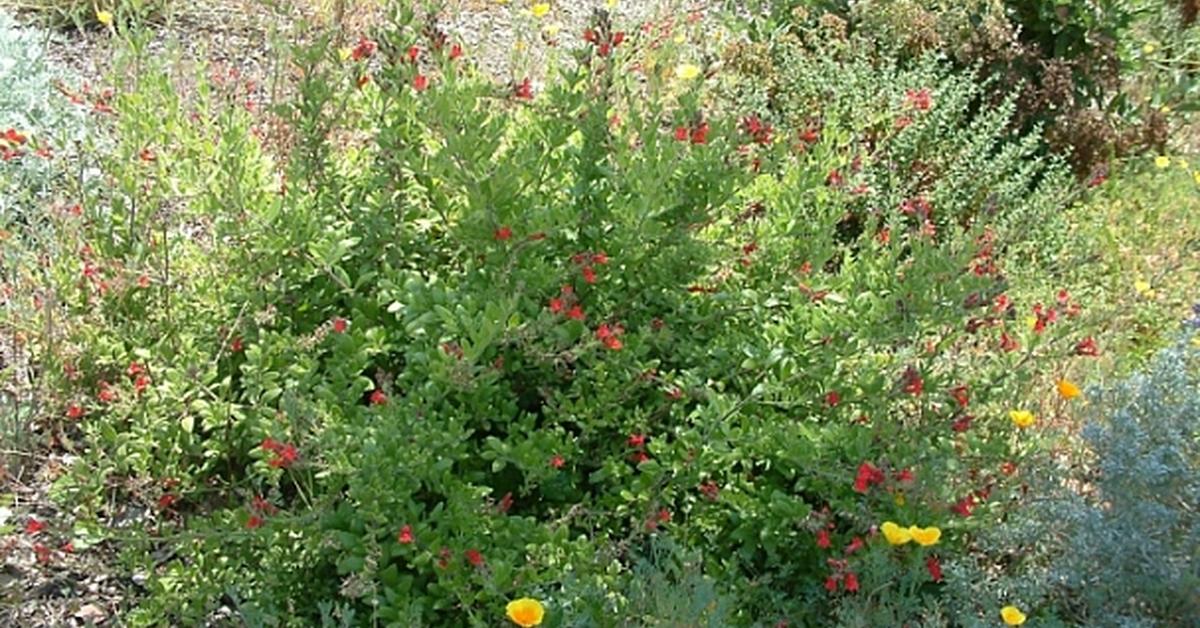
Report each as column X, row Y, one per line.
column 91, row 614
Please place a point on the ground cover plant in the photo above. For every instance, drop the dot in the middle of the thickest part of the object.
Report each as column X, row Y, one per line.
column 699, row 330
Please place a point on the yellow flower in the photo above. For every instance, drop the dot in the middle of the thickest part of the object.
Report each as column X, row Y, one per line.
column 1148, row 49
column 104, row 17
column 344, row 53
column 1143, row 288
column 925, row 536
column 1021, row 418
column 679, row 39
column 895, row 534
column 1162, row 161
column 611, row 4
column 552, row 30
column 1031, row 321
column 687, row 71
column 1165, row 109
column 1067, row 390
column 540, row 9
column 1196, row 177
column 1012, row 616
column 525, row 612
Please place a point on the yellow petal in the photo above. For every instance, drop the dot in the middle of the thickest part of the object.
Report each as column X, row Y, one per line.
column 1148, row 49
column 925, row 536
column 1021, row 418
column 611, row 4
column 1162, row 161
column 525, row 612
column 344, row 53
column 894, row 533
column 1012, row 616
column 687, row 71
column 104, row 17
column 1067, row 390
column 1196, row 177
column 1142, row 286
column 540, row 9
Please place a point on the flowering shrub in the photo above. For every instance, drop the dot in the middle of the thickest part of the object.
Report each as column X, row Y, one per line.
column 481, row 343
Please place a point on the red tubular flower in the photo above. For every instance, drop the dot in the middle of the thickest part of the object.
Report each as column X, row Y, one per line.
column 663, row 515
column 852, row 582
column 134, row 369
column 106, row 394
column 639, row 457
column 1087, row 347
column 405, row 536
column 700, row 133
column 832, row 398
column 285, row 456
column 912, row 382
column 420, row 82
column 905, row 475
column 261, row 505
column 556, row 305
column 557, row 461
column 524, row 90
column 589, row 275
column 505, row 503
column 167, row 500
column 503, row 234
column 681, row 134
column 960, row 394
column 918, row 99
column 74, row 412
column 13, row 137
column 962, row 423
column 710, row 490
column 33, row 526
column 378, row 398
column 365, row 48
column 340, row 325
column 575, row 313
column 963, row 506
column 254, row 522
column 474, row 557
column 414, row 53
column 823, row 540
column 1007, row 343
column 141, row 383
column 934, row 567
column 831, row 584
column 42, row 552
column 1008, row 468
column 855, row 544
column 235, row 345
column 868, row 474
column 636, row 441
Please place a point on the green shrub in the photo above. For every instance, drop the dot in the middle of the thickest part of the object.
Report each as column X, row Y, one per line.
column 365, row 394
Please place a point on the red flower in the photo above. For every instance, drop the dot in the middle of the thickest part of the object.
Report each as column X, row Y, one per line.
column 474, row 557
column 420, row 82
column 68, row 547
column 834, row 179
column 960, row 394
column 575, row 313
column 639, row 457
column 934, row 567
column 557, row 462
column 364, row 49
column 147, row 155
column 167, row 500
column 832, row 398
column 855, row 544
column 700, row 133
column 823, row 541
column 556, row 305
column 918, row 99
column 106, row 394
column 636, row 441
column 851, row 582
column 905, row 475
column 235, row 345
column 340, row 325
column 617, row 38
column 259, row 504
column 759, row 131
column 456, row 51
column 589, row 36
column 33, row 526
column 444, row 558
column 42, row 552
column 405, row 537
column 1008, row 468
column 75, row 411
column 1008, row 344
column 254, row 522
column 505, row 503
column 134, row 369
column 378, row 398
column 589, row 275
column 285, row 456
column 962, row 423
column 1087, row 347
column 141, row 383
column 523, row 90
column 681, row 134
column 503, row 234
column 600, row 257
column 710, row 490
column 608, row 336
column 831, row 584
column 143, row 281
column 414, row 53
column 963, row 506
column 868, row 474
column 13, row 137
column 912, row 381
column 663, row 516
